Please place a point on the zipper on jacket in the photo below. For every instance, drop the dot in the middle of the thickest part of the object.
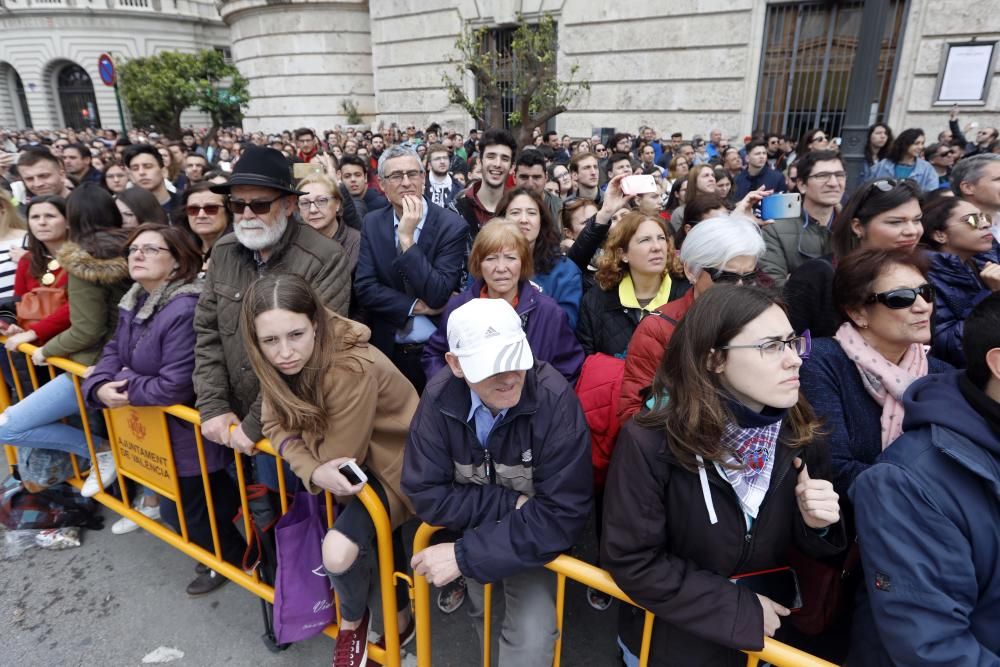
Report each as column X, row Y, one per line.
column 749, row 535
column 488, row 463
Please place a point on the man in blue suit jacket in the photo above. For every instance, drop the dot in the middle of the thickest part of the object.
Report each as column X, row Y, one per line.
column 411, row 261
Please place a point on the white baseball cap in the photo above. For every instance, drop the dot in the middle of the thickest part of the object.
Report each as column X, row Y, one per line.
column 487, row 338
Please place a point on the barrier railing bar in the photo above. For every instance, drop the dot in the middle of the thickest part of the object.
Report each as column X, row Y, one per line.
column 560, row 607
column 199, row 444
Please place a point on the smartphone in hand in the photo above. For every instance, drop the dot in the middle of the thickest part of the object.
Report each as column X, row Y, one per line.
column 352, row 471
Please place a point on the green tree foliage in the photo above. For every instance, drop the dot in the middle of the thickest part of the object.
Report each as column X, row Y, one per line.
column 157, row 89
column 528, row 74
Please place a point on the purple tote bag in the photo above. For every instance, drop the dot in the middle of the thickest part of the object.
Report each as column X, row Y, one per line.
column 303, row 595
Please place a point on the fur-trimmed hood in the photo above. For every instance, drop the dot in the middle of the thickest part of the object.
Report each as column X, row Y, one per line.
column 158, row 298
column 84, row 265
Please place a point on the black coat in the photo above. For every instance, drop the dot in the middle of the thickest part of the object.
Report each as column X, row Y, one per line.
column 661, row 549
column 809, row 295
column 606, row 326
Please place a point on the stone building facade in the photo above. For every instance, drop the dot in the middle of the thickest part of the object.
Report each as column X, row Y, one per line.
column 49, row 51
column 687, row 65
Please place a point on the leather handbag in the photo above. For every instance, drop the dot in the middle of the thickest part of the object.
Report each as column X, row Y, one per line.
column 38, row 304
column 827, row 588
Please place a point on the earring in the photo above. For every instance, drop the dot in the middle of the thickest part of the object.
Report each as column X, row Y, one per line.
column 863, row 325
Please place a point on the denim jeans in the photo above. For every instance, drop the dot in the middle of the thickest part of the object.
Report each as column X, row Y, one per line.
column 34, row 422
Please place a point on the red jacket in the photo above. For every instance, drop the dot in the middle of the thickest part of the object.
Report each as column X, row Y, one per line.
column 598, row 389
column 645, row 351
column 58, row 321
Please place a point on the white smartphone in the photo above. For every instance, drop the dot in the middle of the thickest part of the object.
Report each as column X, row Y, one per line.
column 352, row 471
column 638, row 184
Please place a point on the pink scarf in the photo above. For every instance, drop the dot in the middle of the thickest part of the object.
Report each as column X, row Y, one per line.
column 883, row 380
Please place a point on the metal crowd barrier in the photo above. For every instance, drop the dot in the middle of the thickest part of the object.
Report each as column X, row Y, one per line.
column 163, row 480
column 149, row 461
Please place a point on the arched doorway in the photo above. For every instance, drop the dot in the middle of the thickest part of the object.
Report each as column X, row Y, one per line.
column 76, row 98
column 13, row 87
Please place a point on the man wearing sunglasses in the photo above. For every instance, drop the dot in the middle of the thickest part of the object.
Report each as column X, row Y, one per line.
column 942, row 159
column 266, row 239
column 927, row 518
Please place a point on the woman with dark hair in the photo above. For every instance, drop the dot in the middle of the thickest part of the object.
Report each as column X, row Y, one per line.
column 555, row 274
column 813, row 140
column 856, row 379
column 723, row 183
column 560, row 174
column 115, row 177
column 883, row 214
column 703, row 206
column 501, row 262
column 905, row 159
column 955, row 231
column 676, row 200
column 638, row 271
column 148, row 362
column 700, row 179
column 876, row 148
column 98, row 277
column 207, row 217
column 329, row 397
column 47, row 232
column 139, row 207
column 717, row 482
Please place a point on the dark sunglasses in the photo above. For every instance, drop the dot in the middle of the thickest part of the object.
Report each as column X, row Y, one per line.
column 209, row 209
column 731, row 277
column 899, row 299
column 237, row 206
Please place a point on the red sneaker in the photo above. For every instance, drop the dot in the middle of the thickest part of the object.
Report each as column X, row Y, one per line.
column 352, row 645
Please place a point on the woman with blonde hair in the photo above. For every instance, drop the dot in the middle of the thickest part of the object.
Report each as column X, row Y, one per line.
column 637, row 272
column 320, row 208
column 329, row 397
column 12, row 233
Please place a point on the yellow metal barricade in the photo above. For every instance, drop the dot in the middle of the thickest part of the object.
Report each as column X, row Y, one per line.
column 568, row 568
column 140, row 443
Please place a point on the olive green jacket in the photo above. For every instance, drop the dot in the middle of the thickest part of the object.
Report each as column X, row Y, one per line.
column 97, row 281
column 789, row 245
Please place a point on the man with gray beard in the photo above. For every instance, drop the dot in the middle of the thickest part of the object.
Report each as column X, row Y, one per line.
column 266, row 238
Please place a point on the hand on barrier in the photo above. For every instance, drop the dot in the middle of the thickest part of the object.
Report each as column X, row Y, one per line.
column 437, row 563
column 216, row 429
column 818, row 502
column 327, row 476
column 15, row 338
column 38, row 358
column 109, row 394
column 772, row 614
column 239, row 441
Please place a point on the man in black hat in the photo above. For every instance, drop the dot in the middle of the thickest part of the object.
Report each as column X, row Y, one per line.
column 266, row 238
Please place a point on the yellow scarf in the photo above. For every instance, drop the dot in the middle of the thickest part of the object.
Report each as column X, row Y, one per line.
column 626, row 293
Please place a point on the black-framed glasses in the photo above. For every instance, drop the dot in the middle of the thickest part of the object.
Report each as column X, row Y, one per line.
column 824, row 176
column 898, row 299
column 260, row 207
column 772, row 349
column 719, row 276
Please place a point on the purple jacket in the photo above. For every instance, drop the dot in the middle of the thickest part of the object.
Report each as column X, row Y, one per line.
column 545, row 324
column 153, row 348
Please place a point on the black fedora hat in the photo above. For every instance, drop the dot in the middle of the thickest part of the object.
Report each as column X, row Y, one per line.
column 262, row 166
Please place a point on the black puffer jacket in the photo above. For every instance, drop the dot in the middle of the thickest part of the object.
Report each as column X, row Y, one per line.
column 661, row 549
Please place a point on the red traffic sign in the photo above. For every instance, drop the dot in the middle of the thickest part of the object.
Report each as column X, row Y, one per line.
column 106, row 68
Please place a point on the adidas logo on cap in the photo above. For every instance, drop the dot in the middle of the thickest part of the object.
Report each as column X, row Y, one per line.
column 490, row 333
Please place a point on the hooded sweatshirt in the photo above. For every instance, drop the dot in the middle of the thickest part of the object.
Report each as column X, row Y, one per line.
column 931, row 544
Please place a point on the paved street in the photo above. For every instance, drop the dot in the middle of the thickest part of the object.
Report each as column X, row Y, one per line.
column 118, row 598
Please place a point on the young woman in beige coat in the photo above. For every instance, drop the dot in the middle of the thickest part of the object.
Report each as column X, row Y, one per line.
column 330, row 397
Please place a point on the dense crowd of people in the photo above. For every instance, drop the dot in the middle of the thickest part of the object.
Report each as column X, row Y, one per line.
column 784, row 427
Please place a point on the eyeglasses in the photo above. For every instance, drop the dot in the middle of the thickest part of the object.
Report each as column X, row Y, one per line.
column 209, row 209
column 146, row 250
column 50, row 272
column 772, row 349
column 397, row 177
column 259, row 207
column 731, row 277
column 974, row 220
column 898, row 299
column 824, row 176
column 305, row 205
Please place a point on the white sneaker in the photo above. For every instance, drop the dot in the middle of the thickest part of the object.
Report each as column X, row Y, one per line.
column 109, row 473
column 126, row 525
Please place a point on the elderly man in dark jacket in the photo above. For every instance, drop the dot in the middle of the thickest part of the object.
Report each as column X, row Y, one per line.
column 266, row 239
column 928, row 518
column 499, row 450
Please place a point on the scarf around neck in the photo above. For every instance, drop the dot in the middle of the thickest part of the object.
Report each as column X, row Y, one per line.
column 884, row 381
column 750, row 442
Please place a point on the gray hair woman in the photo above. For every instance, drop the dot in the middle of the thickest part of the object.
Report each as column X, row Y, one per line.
column 722, row 249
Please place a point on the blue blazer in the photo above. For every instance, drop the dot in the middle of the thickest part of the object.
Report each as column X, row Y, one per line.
column 432, row 268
